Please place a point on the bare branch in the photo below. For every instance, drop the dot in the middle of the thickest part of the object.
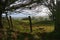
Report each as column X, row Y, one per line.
column 22, row 5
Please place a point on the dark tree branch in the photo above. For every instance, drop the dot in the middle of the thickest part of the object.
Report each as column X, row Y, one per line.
column 23, row 5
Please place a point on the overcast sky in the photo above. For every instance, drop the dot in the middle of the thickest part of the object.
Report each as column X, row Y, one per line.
column 40, row 10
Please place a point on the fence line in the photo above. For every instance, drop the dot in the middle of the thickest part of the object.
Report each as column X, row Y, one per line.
column 10, row 30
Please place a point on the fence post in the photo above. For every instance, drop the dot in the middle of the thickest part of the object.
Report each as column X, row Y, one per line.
column 30, row 23
column 11, row 24
column 5, row 31
column 7, row 19
column 10, row 30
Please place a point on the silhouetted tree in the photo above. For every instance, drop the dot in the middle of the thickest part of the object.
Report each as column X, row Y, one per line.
column 3, row 6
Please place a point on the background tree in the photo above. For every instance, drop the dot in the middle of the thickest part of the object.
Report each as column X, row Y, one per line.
column 54, row 7
column 3, row 5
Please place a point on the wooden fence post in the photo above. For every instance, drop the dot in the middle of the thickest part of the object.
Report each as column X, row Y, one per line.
column 30, row 23
column 7, row 19
column 10, row 30
column 11, row 24
column 8, row 25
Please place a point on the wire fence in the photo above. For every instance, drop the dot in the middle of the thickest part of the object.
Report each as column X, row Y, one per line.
column 10, row 33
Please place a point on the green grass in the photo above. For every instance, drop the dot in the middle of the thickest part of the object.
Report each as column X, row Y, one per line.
column 38, row 28
column 23, row 25
column 36, row 25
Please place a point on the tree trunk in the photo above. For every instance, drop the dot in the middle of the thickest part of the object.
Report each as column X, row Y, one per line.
column 57, row 21
column 1, row 26
column 56, row 34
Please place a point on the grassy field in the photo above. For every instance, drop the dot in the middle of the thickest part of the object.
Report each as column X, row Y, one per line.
column 39, row 28
column 24, row 26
